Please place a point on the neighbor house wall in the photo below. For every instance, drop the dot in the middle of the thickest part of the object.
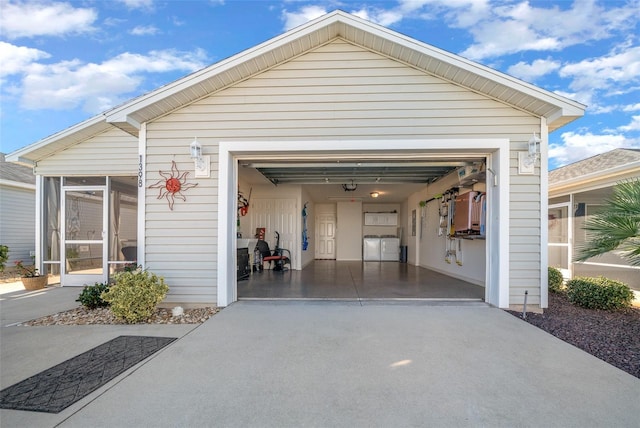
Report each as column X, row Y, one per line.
column 18, row 224
column 338, row 91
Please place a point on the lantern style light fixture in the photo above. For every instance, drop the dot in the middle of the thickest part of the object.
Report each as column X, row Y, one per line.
column 201, row 164
column 534, row 148
column 195, row 149
column 374, row 194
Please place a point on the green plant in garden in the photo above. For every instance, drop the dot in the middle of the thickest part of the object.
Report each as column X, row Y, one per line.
column 556, row 280
column 90, row 297
column 599, row 293
column 29, row 271
column 4, row 256
column 617, row 227
column 134, row 295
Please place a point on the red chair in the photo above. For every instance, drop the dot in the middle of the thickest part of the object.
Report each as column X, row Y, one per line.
column 280, row 256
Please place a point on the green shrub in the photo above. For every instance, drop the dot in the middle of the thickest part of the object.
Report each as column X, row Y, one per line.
column 556, row 280
column 599, row 293
column 90, row 297
column 134, row 295
column 4, row 256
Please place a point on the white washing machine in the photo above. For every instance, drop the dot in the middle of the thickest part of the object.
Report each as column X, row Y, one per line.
column 371, row 248
column 390, row 249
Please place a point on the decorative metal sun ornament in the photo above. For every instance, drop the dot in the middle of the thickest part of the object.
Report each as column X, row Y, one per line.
column 172, row 185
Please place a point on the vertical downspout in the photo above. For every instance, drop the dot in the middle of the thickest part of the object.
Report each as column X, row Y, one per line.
column 544, row 213
column 142, row 202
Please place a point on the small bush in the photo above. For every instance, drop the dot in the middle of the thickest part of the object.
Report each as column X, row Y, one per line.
column 4, row 256
column 599, row 293
column 556, row 280
column 90, row 297
column 134, row 295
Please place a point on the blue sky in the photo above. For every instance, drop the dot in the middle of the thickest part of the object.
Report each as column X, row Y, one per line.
column 64, row 61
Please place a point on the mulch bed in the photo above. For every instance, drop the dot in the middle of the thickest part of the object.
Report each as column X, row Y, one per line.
column 612, row 336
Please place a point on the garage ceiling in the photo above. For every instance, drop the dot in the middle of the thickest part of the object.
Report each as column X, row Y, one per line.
column 335, row 179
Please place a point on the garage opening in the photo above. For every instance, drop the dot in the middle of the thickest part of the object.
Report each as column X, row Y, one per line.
column 361, row 224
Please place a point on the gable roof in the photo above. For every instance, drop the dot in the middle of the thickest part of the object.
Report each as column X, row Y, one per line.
column 608, row 166
column 11, row 173
column 538, row 102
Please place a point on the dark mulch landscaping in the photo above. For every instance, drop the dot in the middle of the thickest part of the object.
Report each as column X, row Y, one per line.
column 612, row 336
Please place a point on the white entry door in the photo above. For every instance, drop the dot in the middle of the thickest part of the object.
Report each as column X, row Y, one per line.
column 326, row 236
column 84, row 246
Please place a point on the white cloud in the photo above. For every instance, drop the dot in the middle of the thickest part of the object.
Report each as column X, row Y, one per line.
column 537, row 68
column 521, row 27
column 16, row 59
column 634, row 125
column 575, row 146
column 138, row 4
column 610, row 71
column 95, row 87
column 142, row 30
column 305, row 14
column 379, row 16
column 44, row 19
column 632, row 107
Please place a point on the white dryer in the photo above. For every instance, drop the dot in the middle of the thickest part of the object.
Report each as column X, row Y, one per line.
column 389, row 249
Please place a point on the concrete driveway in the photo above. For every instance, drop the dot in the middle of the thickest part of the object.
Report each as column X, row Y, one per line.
column 329, row 364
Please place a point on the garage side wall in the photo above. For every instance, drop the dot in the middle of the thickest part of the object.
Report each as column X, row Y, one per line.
column 338, row 91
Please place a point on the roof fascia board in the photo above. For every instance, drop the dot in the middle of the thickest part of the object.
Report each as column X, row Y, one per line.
column 564, row 105
column 21, row 156
column 605, row 177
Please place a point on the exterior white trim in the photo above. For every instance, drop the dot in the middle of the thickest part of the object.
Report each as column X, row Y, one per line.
column 544, row 214
column 496, row 276
column 142, row 193
column 39, row 213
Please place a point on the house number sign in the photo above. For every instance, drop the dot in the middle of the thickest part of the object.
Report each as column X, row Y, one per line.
column 140, row 171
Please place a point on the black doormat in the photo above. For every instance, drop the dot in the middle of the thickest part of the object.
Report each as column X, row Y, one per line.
column 55, row 389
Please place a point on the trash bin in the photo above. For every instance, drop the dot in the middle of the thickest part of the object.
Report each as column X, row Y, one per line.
column 403, row 254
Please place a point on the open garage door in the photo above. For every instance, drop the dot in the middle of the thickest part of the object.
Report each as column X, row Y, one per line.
column 334, row 174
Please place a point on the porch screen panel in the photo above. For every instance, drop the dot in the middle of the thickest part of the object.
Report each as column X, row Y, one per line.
column 51, row 250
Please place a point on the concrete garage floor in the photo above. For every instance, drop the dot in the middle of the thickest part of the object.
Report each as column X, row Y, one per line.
column 328, row 279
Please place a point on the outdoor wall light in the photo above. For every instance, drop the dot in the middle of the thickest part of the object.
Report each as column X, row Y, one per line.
column 534, row 148
column 195, row 149
column 374, row 194
column 201, row 164
column 527, row 160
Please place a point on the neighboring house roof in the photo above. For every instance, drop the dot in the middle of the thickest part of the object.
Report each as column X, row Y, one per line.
column 13, row 174
column 538, row 102
column 603, row 168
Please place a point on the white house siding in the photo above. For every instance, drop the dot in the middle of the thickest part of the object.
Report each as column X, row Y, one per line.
column 338, row 91
column 113, row 152
column 18, row 225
